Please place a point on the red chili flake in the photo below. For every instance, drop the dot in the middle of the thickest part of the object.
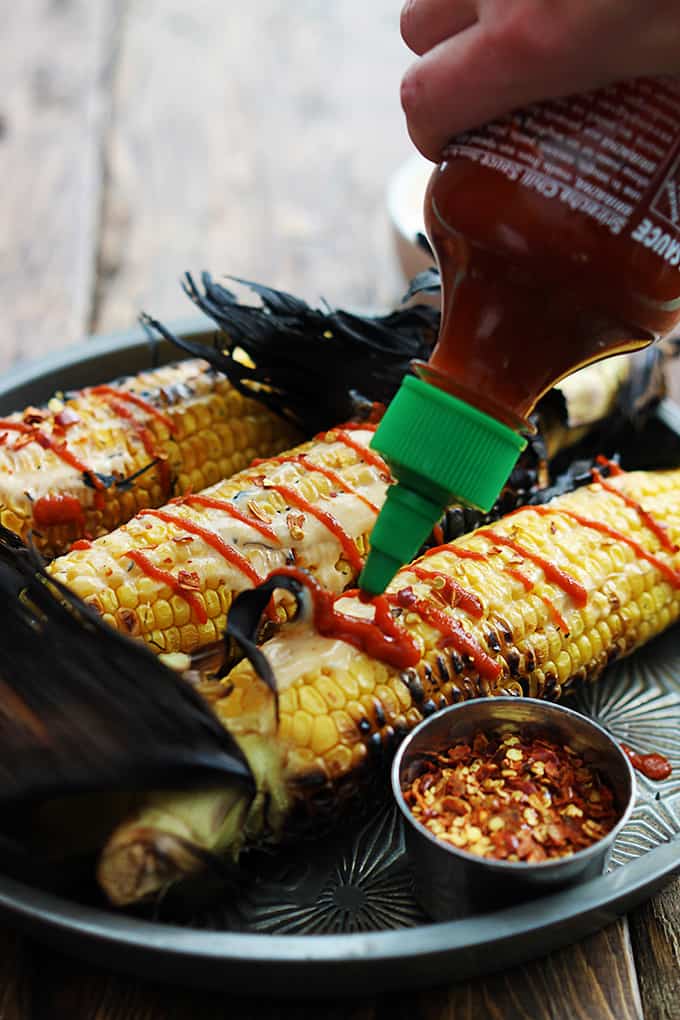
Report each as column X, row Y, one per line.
column 34, row 416
column 509, row 796
column 189, row 579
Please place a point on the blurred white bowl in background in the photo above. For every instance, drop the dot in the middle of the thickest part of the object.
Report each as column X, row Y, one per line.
column 404, row 198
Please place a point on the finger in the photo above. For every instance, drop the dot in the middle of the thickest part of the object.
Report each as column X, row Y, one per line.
column 424, row 23
column 463, row 82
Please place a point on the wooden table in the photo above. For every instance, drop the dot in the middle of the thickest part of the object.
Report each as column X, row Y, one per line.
column 138, row 140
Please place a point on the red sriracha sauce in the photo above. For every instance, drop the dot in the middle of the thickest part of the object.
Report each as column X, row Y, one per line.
column 549, row 261
column 61, row 508
column 654, row 766
column 382, row 638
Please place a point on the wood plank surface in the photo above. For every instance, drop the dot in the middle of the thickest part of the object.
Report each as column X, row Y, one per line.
column 140, row 139
column 593, row 980
column 54, row 97
column 255, row 142
column 655, row 937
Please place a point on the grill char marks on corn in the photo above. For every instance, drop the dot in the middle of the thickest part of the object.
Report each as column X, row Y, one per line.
column 328, row 689
column 340, row 711
column 169, row 575
column 85, row 464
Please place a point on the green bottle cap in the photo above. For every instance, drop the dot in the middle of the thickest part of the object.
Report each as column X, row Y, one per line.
column 441, row 450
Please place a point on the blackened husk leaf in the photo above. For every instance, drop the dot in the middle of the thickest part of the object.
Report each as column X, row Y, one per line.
column 84, row 708
column 307, row 361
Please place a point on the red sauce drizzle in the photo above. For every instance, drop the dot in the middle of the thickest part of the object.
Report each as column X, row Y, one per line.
column 82, row 543
column 133, row 398
column 654, row 526
column 559, row 577
column 528, row 585
column 557, row 617
column 461, row 553
column 334, row 526
column 451, row 591
column 357, row 426
column 363, row 451
column 174, row 584
column 327, row 472
column 68, row 457
column 382, row 638
column 144, row 434
column 336, row 479
column 229, row 508
column 225, row 550
column 454, row 634
column 62, row 508
column 58, row 448
column 668, row 572
column 655, row 766
column 525, row 581
column 16, row 426
column 614, row 468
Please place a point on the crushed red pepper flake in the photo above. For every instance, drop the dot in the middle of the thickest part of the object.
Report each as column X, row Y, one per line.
column 514, row 797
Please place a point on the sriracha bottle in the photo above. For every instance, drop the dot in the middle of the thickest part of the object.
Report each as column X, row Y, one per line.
column 557, row 233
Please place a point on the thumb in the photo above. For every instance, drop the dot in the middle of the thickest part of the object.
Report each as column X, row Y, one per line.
column 472, row 78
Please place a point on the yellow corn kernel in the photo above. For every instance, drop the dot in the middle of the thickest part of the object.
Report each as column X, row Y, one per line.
column 302, row 728
column 324, row 734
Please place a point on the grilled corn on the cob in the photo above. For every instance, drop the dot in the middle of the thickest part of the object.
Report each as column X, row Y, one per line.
column 86, row 463
column 169, row 576
column 527, row 606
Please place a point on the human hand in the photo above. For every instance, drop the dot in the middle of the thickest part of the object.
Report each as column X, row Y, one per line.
column 481, row 58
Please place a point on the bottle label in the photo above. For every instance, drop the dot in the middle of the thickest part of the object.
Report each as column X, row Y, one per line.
column 612, row 155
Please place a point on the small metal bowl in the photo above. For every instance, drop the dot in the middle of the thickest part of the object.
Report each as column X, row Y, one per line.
column 452, row 883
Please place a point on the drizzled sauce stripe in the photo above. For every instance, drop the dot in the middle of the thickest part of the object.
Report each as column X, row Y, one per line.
column 671, row 575
column 528, row 585
column 552, row 573
column 461, row 553
column 228, row 552
column 647, row 519
column 228, row 508
column 382, row 638
column 336, row 479
column 166, row 578
column 133, row 398
column 555, row 614
column 453, row 634
column 328, row 520
column 59, row 449
column 451, row 591
column 376, row 461
column 143, row 433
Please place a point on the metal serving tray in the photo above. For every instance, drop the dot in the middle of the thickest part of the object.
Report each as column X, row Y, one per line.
column 337, row 917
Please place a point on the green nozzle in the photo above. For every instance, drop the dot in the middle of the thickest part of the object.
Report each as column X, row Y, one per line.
column 440, row 450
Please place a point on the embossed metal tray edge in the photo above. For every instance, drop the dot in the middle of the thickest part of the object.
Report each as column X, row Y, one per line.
column 300, row 966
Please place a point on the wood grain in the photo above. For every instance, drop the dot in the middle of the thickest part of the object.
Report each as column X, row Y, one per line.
column 655, row 936
column 54, row 89
column 592, row 980
column 65, row 988
column 256, row 143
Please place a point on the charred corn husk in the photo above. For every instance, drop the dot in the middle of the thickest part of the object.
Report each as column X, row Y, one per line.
column 169, row 576
column 543, row 598
column 86, row 463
